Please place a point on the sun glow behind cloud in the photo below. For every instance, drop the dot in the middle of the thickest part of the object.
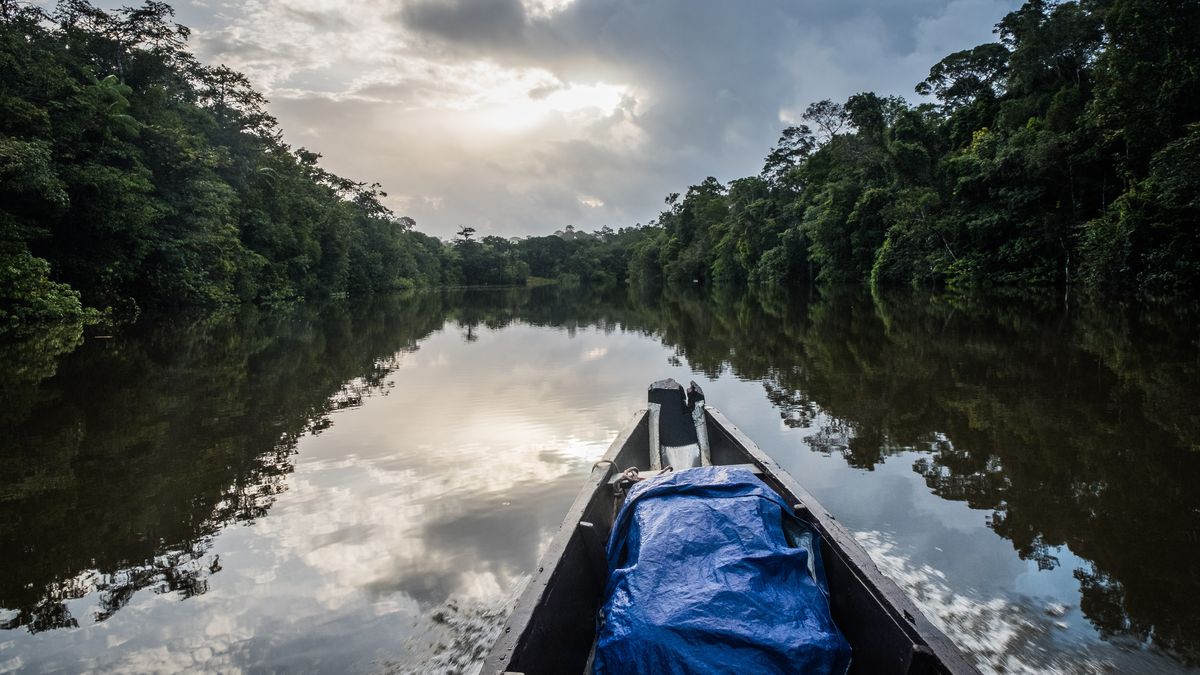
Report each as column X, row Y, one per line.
column 504, row 98
column 580, row 103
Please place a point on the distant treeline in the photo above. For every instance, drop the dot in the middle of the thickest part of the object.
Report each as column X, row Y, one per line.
column 132, row 176
column 568, row 256
column 1066, row 153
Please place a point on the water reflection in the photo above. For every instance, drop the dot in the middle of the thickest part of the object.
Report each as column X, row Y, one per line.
column 397, row 466
column 1075, row 426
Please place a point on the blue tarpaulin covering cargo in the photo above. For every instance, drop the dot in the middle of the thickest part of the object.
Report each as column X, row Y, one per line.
column 711, row 573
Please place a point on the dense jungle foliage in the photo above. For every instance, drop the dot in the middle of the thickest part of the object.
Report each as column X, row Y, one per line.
column 1068, row 152
column 132, row 177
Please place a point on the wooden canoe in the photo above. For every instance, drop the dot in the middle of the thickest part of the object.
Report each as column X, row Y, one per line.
column 552, row 628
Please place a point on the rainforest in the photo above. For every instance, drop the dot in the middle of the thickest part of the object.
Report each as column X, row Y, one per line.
column 1063, row 155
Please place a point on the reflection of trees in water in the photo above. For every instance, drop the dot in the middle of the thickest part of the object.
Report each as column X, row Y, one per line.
column 1074, row 425
column 26, row 362
column 957, row 476
column 795, row 407
column 123, row 466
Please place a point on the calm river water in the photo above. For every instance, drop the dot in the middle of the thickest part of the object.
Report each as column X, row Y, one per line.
column 364, row 487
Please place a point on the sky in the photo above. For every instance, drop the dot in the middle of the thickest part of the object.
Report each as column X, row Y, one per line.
column 519, row 117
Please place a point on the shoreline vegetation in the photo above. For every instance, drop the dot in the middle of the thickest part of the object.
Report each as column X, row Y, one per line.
column 1064, row 155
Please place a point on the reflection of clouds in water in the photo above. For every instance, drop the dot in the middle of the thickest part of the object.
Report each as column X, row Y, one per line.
column 211, row 646
column 456, row 635
column 444, row 488
column 596, row 353
column 989, row 630
column 1000, row 635
column 10, row 665
column 380, row 532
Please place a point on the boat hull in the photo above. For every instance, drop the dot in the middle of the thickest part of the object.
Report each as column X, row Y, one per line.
column 552, row 628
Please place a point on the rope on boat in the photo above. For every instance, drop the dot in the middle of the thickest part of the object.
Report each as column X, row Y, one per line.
column 633, row 475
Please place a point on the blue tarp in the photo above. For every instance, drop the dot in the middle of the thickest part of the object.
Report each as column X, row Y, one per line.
column 711, row 573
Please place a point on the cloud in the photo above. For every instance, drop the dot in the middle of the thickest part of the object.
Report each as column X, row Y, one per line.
column 502, row 113
column 474, row 21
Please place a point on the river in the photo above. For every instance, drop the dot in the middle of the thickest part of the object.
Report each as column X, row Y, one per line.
column 365, row 486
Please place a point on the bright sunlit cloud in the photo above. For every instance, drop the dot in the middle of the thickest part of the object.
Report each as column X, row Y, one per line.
column 525, row 100
column 545, row 8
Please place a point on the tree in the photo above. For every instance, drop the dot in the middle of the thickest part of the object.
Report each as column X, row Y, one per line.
column 966, row 76
column 829, row 117
column 793, row 148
